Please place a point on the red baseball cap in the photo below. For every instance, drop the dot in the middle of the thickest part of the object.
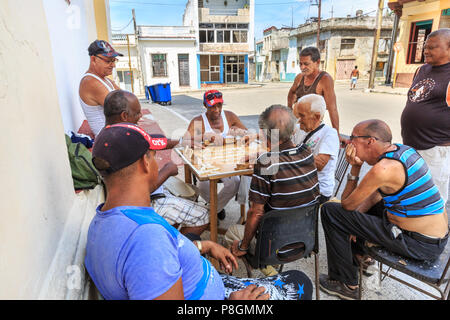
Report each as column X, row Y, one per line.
column 212, row 97
column 120, row 145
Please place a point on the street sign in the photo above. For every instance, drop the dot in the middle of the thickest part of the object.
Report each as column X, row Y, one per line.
column 398, row 46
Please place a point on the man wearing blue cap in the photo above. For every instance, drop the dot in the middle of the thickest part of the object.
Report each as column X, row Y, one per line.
column 95, row 85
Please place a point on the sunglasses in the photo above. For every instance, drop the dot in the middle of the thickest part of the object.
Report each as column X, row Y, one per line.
column 213, row 95
column 354, row 137
column 108, row 61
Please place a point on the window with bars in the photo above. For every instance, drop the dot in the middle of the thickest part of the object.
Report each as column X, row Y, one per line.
column 159, row 65
column 221, row 33
column 347, row 44
column 419, row 33
column 209, row 68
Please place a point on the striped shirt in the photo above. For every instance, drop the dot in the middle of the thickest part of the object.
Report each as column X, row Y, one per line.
column 286, row 179
column 419, row 195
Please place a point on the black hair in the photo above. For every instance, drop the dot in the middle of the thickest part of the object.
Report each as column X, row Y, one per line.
column 311, row 51
column 115, row 103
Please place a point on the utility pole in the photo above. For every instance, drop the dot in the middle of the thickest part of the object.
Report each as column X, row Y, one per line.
column 318, row 25
column 129, row 63
column 391, row 49
column 375, row 44
column 138, row 51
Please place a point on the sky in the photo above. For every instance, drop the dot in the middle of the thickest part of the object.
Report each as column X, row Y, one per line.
column 278, row 13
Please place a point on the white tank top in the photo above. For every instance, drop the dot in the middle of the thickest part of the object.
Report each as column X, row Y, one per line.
column 208, row 128
column 94, row 114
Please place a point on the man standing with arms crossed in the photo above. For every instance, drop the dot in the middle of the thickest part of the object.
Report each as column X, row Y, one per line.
column 312, row 80
column 425, row 121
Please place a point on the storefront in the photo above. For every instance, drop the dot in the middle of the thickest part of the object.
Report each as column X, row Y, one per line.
column 223, row 68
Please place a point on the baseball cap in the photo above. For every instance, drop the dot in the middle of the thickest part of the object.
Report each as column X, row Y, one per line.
column 104, row 48
column 211, row 97
column 120, row 145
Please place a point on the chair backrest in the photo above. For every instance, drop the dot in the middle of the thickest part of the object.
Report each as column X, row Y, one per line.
column 286, row 235
column 341, row 169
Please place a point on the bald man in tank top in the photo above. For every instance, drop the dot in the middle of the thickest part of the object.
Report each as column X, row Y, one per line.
column 95, row 86
column 312, row 80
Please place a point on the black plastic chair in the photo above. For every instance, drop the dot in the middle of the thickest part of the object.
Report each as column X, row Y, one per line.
column 341, row 169
column 432, row 273
column 284, row 236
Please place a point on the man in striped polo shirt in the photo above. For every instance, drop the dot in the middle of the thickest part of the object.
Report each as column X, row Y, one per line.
column 283, row 178
column 396, row 205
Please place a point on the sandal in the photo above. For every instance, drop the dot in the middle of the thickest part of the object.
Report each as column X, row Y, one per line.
column 365, row 261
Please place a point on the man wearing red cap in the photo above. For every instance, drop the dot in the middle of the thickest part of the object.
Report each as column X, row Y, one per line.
column 214, row 125
column 95, row 85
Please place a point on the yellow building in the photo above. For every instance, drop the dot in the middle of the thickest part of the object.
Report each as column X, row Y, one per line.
column 418, row 18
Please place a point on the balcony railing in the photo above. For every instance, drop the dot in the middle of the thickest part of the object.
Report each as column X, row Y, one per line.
column 223, row 12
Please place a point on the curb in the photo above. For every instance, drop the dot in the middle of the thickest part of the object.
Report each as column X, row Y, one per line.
column 251, row 86
column 387, row 92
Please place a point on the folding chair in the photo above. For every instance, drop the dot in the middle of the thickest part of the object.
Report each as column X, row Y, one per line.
column 284, row 236
column 431, row 273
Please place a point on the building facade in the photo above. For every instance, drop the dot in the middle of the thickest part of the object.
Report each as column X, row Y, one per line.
column 344, row 43
column 417, row 20
column 224, row 39
column 165, row 54
column 274, row 53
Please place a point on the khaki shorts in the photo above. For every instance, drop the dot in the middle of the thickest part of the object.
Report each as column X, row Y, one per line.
column 438, row 161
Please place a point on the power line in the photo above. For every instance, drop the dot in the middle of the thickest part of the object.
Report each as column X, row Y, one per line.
column 120, row 29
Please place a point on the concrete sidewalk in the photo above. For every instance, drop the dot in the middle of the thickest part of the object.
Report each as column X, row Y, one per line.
column 174, row 125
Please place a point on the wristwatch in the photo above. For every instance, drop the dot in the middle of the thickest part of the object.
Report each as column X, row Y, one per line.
column 352, row 178
column 239, row 247
column 198, row 244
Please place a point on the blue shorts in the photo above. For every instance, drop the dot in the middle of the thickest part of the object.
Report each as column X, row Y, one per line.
column 354, row 79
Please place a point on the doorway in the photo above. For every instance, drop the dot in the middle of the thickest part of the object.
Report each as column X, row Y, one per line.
column 234, row 69
column 344, row 69
column 183, row 69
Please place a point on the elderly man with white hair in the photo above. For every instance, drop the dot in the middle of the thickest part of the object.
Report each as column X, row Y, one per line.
column 322, row 139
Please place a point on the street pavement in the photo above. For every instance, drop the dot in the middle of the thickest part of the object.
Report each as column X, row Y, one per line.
column 353, row 106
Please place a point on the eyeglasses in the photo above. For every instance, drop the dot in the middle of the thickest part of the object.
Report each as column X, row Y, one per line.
column 354, row 137
column 108, row 61
column 213, row 95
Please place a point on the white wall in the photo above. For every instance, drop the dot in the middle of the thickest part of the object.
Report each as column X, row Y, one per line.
column 71, row 29
column 293, row 56
column 36, row 190
column 43, row 229
column 171, row 49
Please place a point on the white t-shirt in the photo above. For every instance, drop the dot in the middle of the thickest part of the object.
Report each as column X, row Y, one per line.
column 324, row 141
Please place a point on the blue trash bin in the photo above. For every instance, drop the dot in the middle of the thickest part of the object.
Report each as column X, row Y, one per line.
column 150, row 93
column 163, row 93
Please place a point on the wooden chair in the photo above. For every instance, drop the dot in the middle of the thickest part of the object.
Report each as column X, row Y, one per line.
column 284, row 236
column 432, row 273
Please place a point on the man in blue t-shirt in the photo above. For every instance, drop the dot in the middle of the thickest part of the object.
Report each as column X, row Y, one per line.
column 133, row 253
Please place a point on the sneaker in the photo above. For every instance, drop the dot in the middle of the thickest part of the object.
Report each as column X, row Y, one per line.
column 337, row 288
column 269, row 271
